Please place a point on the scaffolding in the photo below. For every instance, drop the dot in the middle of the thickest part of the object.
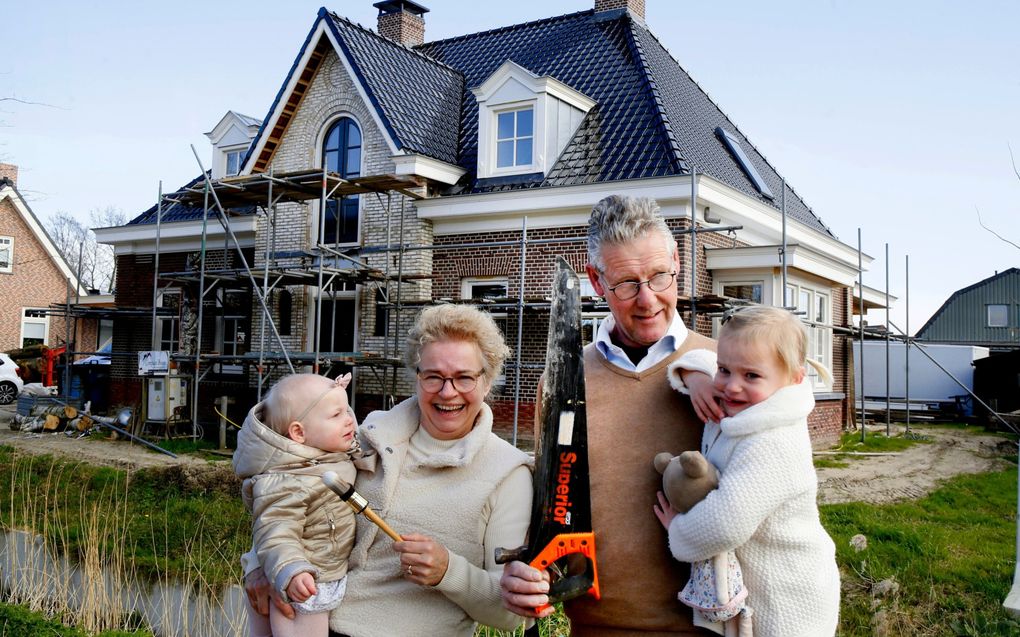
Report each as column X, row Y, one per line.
column 336, row 267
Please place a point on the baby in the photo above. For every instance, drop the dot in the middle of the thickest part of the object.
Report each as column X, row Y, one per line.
column 302, row 533
column 764, row 507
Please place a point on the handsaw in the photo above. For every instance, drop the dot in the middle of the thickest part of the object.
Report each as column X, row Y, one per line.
column 560, row 537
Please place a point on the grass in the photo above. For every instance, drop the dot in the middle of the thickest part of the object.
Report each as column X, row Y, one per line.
column 16, row 621
column 951, row 554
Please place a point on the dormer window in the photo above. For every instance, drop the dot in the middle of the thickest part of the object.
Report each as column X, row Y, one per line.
column 230, row 140
column 515, row 137
column 525, row 121
column 234, row 161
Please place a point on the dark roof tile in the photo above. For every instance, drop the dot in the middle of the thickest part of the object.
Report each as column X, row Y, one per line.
column 417, row 97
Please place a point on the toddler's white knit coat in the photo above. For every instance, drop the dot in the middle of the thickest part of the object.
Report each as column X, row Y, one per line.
column 765, row 508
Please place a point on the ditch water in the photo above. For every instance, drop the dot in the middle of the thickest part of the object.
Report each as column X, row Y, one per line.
column 29, row 570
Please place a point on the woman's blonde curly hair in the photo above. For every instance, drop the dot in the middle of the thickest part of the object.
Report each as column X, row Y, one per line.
column 458, row 323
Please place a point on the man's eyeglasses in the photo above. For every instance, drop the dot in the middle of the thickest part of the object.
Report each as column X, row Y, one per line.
column 629, row 289
column 434, row 383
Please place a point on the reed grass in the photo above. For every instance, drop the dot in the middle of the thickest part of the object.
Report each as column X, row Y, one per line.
column 74, row 533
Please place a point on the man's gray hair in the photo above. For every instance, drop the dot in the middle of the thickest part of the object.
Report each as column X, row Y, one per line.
column 616, row 220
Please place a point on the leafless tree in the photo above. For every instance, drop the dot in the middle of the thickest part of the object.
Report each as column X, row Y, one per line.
column 981, row 221
column 93, row 262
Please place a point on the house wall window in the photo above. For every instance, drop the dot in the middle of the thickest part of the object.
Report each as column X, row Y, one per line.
column 998, row 315
column 234, row 159
column 341, row 154
column 35, row 327
column 6, row 254
column 515, row 138
column 105, row 336
column 814, row 306
column 748, row 291
column 232, row 326
column 168, row 329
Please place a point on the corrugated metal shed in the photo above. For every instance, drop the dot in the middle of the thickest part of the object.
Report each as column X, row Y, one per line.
column 963, row 318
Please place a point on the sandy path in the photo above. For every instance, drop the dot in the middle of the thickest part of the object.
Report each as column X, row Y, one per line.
column 916, row 471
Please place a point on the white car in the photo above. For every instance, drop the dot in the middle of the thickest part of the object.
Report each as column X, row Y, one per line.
column 10, row 383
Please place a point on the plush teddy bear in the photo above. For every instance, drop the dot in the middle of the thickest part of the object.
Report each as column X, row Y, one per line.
column 716, row 588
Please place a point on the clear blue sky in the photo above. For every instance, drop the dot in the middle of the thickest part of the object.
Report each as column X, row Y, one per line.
column 893, row 117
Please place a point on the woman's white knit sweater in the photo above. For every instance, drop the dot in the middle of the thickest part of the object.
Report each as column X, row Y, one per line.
column 765, row 509
column 472, row 495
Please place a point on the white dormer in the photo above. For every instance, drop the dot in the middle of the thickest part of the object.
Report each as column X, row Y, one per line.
column 230, row 139
column 525, row 121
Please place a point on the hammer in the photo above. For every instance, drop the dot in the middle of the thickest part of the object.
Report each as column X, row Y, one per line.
column 357, row 502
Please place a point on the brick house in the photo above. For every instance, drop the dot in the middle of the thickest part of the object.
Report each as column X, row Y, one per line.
column 507, row 137
column 33, row 276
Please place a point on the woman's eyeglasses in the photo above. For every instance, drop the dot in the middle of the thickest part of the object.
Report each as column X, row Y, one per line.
column 434, row 383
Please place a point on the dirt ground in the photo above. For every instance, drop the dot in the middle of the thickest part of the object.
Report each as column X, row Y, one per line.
column 909, row 474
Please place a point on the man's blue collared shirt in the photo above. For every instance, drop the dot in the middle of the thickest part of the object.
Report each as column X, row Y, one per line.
column 669, row 343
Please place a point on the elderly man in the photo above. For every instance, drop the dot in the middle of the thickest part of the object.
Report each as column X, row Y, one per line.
column 632, row 415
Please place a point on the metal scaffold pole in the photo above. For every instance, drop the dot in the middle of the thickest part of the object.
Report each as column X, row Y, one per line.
column 155, row 270
column 860, row 280
column 888, row 404
column 694, row 247
column 520, row 327
column 200, row 301
column 906, row 355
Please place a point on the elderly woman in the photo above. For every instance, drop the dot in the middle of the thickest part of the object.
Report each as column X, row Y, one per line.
column 452, row 488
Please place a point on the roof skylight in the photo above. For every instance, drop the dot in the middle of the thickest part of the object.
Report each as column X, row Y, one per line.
column 745, row 162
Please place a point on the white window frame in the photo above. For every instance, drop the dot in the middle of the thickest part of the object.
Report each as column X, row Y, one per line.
column 819, row 337
column 239, row 153
column 7, row 241
column 514, row 168
column 988, row 315
column 819, row 345
column 43, row 320
column 227, row 331
column 174, row 321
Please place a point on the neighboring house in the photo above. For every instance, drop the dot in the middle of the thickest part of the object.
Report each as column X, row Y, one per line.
column 530, row 123
column 985, row 314
column 33, row 277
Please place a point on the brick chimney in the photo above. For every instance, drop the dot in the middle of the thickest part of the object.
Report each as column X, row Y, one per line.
column 636, row 7
column 402, row 21
column 9, row 172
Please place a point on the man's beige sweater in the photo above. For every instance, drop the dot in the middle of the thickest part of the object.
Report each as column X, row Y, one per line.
column 631, row 417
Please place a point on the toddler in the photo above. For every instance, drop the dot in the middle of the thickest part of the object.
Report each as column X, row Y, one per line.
column 302, row 533
column 764, row 507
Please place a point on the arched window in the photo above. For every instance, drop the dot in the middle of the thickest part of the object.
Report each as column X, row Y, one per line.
column 341, row 153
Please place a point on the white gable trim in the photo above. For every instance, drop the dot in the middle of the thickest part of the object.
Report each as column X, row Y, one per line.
column 544, row 84
column 229, row 120
column 321, row 31
column 7, row 192
column 434, row 169
column 767, row 257
column 175, row 236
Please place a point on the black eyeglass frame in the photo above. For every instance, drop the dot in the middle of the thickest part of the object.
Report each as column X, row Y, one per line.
column 453, row 380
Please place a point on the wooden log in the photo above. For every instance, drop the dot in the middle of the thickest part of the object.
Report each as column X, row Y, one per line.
column 26, row 423
column 51, row 422
column 84, row 423
column 60, row 411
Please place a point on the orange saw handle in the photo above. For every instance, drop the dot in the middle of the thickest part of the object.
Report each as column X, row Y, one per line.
column 570, row 558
